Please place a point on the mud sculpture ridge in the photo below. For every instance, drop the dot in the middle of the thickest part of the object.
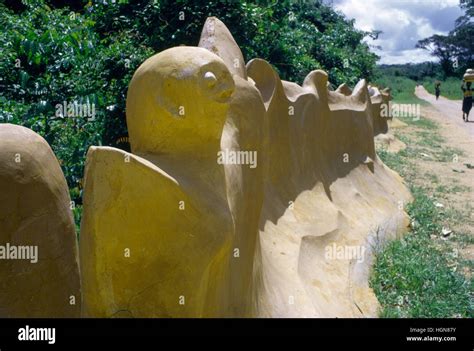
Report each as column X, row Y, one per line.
column 169, row 231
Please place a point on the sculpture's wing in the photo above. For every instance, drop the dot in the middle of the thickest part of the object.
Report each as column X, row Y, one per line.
column 146, row 248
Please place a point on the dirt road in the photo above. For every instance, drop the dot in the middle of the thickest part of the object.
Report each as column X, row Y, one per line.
column 450, row 109
column 455, row 174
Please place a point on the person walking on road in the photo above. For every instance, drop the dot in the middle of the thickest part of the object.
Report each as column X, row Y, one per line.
column 437, row 89
column 467, row 100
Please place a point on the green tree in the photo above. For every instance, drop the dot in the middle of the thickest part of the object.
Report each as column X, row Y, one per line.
column 455, row 51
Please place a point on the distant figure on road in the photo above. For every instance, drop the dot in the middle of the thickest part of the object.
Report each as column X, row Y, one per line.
column 467, row 100
column 437, row 90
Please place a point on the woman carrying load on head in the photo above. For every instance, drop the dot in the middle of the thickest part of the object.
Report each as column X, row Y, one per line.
column 467, row 94
column 466, row 101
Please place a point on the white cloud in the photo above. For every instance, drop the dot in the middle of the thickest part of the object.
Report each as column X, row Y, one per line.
column 404, row 56
column 403, row 23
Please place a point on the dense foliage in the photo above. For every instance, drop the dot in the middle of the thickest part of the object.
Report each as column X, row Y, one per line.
column 63, row 53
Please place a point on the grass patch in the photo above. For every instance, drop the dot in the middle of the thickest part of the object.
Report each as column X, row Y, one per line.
column 443, row 189
column 402, row 89
column 394, row 161
column 464, row 240
column 422, row 123
column 422, row 275
column 427, row 141
column 414, row 276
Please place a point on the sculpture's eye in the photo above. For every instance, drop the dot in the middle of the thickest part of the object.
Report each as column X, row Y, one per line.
column 216, row 82
column 210, row 79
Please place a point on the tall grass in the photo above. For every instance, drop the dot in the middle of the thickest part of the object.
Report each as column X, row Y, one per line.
column 402, row 88
column 450, row 88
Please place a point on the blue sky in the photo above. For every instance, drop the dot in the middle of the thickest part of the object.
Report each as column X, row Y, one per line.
column 403, row 23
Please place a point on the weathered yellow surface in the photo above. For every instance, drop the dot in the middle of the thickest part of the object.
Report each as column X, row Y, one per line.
column 35, row 214
column 341, row 194
column 383, row 122
column 168, row 230
column 179, row 212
